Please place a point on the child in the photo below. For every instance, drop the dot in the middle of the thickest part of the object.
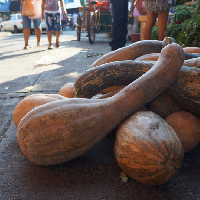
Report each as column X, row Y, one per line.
column 52, row 10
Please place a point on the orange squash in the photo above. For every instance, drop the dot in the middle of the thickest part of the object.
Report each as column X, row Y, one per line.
column 30, row 102
column 147, row 149
column 67, row 90
column 163, row 105
column 69, row 128
column 130, row 52
column 187, row 127
column 192, row 49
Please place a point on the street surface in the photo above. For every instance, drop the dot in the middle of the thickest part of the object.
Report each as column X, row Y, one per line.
column 96, row 174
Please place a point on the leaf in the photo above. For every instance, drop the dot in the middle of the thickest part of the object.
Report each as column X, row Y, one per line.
column 123, row 177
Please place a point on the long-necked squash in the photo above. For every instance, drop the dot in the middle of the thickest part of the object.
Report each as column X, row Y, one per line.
column 30, row 102
column 184, row 90
column 147, row 149
column 62, row 130
column 130, row 52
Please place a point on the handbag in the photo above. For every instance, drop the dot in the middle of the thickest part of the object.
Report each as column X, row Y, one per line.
column 37, row 8
column 28, row 8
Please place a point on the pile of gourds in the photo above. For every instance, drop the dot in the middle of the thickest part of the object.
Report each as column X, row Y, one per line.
column 150, row 143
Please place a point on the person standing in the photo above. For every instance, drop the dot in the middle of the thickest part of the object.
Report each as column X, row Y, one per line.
column 74, row 16
column 119, row 23
column 27, row 25
column 52, row 11
column 135, row 12
column 155, row 9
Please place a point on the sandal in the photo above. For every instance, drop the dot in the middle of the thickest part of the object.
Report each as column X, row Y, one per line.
column 50, row 47
column 26, row 47
column 58, row 44
column 39, row 44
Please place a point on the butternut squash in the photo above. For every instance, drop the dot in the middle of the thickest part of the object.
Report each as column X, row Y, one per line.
column 59, row 131
column 147, row 149
column 30, row 102
column 192, row 49
column 187, row 127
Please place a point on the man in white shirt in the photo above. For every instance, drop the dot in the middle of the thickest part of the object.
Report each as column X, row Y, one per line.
column 74, row 16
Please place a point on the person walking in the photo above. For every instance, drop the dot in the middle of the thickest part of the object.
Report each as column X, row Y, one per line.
column 74, row 16
column 27, row 24
column 136, row 13
column 155, row 9
column 52, row 11
column 119, row 9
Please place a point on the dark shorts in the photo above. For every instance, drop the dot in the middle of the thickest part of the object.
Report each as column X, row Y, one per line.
column 53, row 21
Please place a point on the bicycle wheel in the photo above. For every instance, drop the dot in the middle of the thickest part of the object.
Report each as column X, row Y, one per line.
column 78, row 29
column 91, row 27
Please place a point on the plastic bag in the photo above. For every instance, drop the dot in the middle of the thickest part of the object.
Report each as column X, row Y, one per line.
column 28, row 8
column 37, row 8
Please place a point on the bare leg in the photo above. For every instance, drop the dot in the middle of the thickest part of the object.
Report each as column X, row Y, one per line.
column 162, row 23
column 38, row 33
column 151, row 20
column 49, row 37
column 57, row 38
column 26, row 32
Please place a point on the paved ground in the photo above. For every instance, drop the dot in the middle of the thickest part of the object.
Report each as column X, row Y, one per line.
column 95, row 175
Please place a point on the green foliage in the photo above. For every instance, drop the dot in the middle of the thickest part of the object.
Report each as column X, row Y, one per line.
column 182, row 13
column 181, row 2
column 190, row 34
column 154, row 33
column 173, row 30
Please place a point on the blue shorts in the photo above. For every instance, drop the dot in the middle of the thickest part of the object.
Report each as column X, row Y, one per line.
column 27, row 22
column 53, row 21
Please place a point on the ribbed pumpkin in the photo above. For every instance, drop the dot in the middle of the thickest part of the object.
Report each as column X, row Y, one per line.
column 147, row 149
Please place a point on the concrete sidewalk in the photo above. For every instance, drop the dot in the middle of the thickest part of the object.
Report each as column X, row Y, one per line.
column 96, row 174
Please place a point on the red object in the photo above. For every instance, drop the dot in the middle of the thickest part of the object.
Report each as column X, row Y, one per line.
column 135, row 37
column 102, row 5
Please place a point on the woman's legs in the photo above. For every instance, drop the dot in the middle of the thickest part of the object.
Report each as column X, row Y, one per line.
column 162, row 22
column 151, row 20
column 26, row 32
column 38, row 33
column 135, row 25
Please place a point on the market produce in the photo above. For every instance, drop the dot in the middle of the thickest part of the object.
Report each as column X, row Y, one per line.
column 147, row 149
column 163, row 105
column 59, row 131
column 30, row 102
column 130, row 52
column 184, row 90
column 187, row 127
column 192, row 49
column 67, row 90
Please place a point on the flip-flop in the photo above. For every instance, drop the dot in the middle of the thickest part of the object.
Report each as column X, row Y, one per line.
column 58, row 44
column 50, row 47
column 39, row 44
column 26, row 47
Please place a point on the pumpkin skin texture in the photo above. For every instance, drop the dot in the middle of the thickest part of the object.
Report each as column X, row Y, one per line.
column 67, row 90
column 147, row 149
column 30, row 102
column 163, row 105
column 62, row 130
column 130, row 52
column 192, row 49
column 194, row 62
column 150, row 56
column 187, row 127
